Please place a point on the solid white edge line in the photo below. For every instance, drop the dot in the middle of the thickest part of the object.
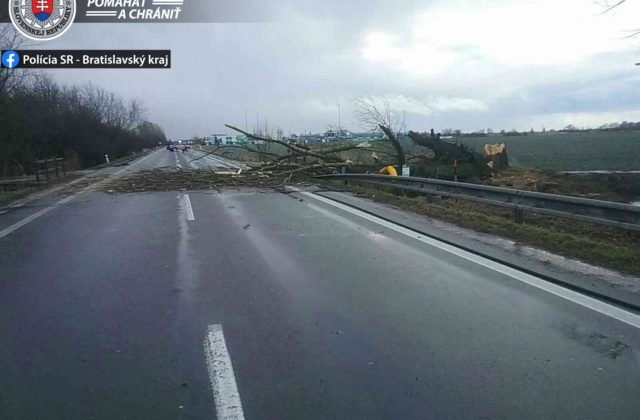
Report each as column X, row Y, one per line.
column 46, row 210
column 567, row 294
column 127, row 168
column 223, row 381
column 34, row 216
column 187, row 204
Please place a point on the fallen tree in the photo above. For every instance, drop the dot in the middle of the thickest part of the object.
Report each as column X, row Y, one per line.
column 164, row 180
column 298, row 158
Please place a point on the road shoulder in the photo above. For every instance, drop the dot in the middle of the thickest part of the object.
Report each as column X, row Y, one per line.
column 573, row 273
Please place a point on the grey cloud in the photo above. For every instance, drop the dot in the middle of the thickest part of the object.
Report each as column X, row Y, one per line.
column 295, row 71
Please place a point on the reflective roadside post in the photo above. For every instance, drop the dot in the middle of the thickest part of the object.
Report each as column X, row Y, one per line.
column 455, row 170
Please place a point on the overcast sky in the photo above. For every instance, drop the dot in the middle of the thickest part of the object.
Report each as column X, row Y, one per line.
column 465, row 64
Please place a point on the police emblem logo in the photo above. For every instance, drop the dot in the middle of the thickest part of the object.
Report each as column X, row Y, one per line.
column 42, row 20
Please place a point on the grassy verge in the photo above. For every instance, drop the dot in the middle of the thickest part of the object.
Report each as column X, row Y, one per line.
column 7, row 197
column 610, row 187
column 120, row 161
column 598, row 245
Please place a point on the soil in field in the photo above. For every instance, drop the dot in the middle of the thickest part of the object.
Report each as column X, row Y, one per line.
column 582, row 151
column 622, row 187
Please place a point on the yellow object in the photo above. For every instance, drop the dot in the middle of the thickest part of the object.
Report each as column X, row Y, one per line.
column 388, row 170
column 494, row 149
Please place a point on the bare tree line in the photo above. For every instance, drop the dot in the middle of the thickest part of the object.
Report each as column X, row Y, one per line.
column 41, row 118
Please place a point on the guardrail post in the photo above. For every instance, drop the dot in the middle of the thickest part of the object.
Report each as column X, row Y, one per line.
column 620, row 215
column 346, row 180
column 518, row 215
column 46, row 168
column 55, row 163
column 64, row 170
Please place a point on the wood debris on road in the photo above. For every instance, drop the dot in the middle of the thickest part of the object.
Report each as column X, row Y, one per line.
column 167, row 180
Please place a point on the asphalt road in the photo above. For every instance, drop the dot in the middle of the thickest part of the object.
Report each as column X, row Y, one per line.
column 106, row 303
column 192, row 159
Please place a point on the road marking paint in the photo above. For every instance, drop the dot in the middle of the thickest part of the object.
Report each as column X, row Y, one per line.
column 224, row 162
column 65, row 200
column 134, row 164
column 567, row 294
column 188, row 208
column 34, row 216
column 223, row 381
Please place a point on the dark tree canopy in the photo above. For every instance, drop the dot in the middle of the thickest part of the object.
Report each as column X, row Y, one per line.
column 39, row 118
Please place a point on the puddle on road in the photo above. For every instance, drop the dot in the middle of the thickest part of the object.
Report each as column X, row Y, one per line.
column 598, row 342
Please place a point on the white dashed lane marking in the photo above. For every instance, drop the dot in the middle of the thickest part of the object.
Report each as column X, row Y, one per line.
column 188, row 208
column 223, row 381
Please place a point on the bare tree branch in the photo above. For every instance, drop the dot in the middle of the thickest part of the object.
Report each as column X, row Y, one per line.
column 295, row 149
column 381, row 117
column 634, row 33
column 344, row 148
column 610, row 8
column 317, row 166
column 237, row 146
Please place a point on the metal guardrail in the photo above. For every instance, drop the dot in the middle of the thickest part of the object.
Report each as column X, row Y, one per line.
column 16, row 183
column 45, row 168
column 600, row 212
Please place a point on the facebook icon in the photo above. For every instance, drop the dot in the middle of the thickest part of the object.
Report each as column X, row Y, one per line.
column 10, row 59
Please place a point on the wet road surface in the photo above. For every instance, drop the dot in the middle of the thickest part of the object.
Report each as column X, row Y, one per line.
column 107, row 304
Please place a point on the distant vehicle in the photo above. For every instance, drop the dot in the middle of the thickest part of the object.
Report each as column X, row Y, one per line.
column 336, row 135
